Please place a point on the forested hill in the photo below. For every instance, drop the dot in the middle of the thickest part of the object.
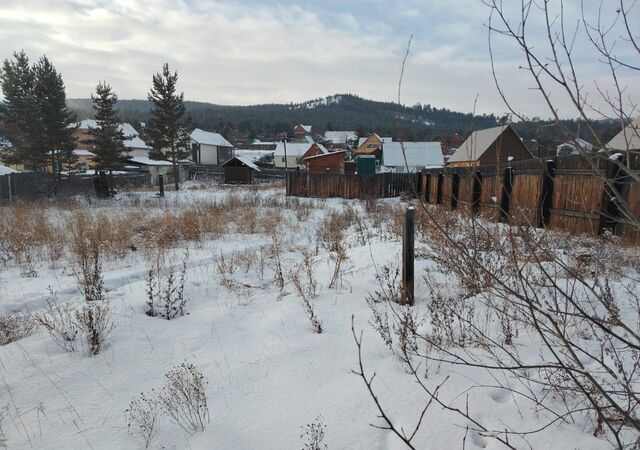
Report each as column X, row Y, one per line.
column 337, row 112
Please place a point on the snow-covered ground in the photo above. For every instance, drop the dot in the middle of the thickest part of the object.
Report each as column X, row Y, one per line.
column 268, row 373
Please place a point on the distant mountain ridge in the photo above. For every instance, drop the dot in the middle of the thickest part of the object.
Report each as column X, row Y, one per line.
column 335, row 112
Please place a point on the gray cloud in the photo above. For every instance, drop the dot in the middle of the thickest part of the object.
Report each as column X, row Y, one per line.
column 257, row 52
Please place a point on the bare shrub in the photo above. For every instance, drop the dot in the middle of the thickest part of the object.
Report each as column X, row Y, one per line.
column 95, row 321
column 59, row 321
column 165, row 289
column 316, row 324
column 313, row 435
column 142, row 416
column 184, row 399
column 87, row 236
column 15, row 326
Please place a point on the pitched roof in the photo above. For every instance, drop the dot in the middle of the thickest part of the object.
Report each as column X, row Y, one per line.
column 148, row 161
column 209, row 138
column 131, row 136
column 340, row 137
column 325, row 154
column 384, row 139
column 418, row 154
column 4, row 170
column 306, row 128
column 252, row 155
column 628, row 138
column 246, row 161
column 83, row 152
column 477, row 144
column 293, row 149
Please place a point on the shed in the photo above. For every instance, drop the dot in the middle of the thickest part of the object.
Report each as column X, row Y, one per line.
column 326, row 162
column 491, row 146
column 239, row 170
column 209, row 148
column 365, row 164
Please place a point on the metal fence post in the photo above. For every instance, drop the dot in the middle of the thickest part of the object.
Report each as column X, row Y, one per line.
column 408, row 256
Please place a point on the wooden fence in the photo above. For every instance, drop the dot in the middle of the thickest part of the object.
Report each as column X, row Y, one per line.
column 216, row 173
column 572, row 193
column 379, row 185
column 34, row 185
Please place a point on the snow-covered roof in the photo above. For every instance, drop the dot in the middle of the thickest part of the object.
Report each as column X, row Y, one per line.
column 209, row 138
column 145, row 161
column 252, row 155
column 340, row 137
column 325, row 154
column 306, row 128
column 246, row 161
column 628, row 138
column 384, row 139
column 4, row 170
column 293, row 149
column 83, row 152
column 418, row 154
column 575, row 146
column 131, row 136
column 477, row 144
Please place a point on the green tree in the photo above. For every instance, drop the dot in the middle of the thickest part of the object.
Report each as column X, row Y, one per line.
column 55, row 137
column 20, row 124
column 108, row 138
column 168, row 129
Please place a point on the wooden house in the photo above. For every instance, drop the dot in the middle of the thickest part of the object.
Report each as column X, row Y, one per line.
column 315, row 150
column 326, row 162
column 239, row 170
column 372, row 144
column 492, row 146
column 209, row 148
column 300, row 131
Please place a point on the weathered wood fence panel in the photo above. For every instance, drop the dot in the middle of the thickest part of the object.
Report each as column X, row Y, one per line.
column 380, row 185
column 572, row 193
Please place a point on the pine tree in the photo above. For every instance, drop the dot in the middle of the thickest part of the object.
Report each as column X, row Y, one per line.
column 168, row 128
column 56, row 137
column 108, row 138
column 20, row 124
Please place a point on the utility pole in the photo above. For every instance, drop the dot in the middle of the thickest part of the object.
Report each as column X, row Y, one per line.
column 284, row 141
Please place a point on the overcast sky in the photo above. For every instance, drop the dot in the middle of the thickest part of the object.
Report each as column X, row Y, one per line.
column 250, row 51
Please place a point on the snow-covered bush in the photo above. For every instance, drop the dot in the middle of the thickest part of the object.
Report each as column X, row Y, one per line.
column 15, row 326
column 165, row 289
column 184, row 399
column 313, row 435
column 143, row 416
column 94, row 319
column 60, row 322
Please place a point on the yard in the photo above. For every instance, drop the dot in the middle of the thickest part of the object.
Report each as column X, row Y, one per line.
column 258, row 275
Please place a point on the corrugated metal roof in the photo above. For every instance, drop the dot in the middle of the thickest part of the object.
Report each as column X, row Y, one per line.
column 628, row 138
column 418, row 154
column 477, row 144
column 131, row 136
column 340, row 137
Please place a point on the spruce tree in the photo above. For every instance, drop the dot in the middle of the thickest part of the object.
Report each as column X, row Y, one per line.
column 108, row 138
column 56, row 137
column 168, row 129
column 20, row 122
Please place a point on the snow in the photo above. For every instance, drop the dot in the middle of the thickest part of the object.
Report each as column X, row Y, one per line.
column 4, row 170
column 132, row 137
column 293, row 149
column 268, row 373
column 209, row 138
column 148, row 161
column 252, row 155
